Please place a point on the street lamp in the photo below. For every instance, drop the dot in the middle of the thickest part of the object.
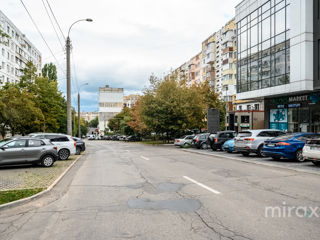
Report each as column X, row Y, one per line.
column 68, row 47
column 79, row 128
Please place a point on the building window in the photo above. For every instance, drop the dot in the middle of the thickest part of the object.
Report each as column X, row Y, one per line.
column 244, row 119
column 263, row 47
column 248, row 107
column 256, row 107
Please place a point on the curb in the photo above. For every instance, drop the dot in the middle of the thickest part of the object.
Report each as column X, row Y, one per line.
column 254, row 162
column 28, row 199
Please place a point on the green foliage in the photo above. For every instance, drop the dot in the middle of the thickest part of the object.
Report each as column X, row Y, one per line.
column 4, row 36
column 119, row 123
column 94, row 123
column 50, row 71
column 34, row 104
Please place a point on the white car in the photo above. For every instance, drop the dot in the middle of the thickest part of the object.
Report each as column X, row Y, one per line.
column 311, row 151
column 65, row 143
column 183, row 141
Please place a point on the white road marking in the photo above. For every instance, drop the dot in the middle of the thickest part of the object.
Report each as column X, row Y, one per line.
column 145, row 158
column 202, row 185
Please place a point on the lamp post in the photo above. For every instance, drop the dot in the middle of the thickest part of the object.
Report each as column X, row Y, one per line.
column 79, row 128
column 68, row 47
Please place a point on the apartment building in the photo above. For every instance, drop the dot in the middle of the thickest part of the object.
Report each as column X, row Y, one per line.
column 130, row 100
column 209, row 60
column 88, row 116
column 16, row 51
column 278, row 61
column 195, row 69
column 110, row 104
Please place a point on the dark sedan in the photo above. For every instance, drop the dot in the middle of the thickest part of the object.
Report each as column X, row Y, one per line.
column 80, row 145
column 201, row 141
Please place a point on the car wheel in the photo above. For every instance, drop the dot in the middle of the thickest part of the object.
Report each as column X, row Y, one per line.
column 299, row 156
column 64, row 154
column 229, row 151
column 276, row 158
column 317, row 163
column 245, row 154
column 259, row 152
column 47, row 161
column 78, row 150
column 204, row 146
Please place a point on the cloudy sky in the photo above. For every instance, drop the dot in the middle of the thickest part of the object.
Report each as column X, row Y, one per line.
column 127, row 41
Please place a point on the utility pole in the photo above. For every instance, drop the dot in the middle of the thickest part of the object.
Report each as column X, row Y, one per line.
column 68, row 48
column 79, row 129
column 69, row 123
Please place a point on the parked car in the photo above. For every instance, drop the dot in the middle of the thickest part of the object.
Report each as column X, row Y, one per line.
column 106, row 137
column 133, row 138
column 228, row 146
column 91, row 137
column 65, row 143
column 311, row 151
column 217, row 140
column 80, row 145
column 4, row 141
column 184, row 140
column 251, row 141
column 288, row 146
column 201, row 141
column 28, row 150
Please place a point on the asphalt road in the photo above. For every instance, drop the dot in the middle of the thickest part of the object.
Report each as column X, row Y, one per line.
column 133, row 191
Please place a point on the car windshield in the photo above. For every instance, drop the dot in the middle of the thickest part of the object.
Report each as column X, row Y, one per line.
column 2, row 142
column 244, row 134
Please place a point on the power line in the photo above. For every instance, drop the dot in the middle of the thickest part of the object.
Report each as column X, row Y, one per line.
column 56, row 20
column 74, row 71
column 34, row 23
column 52, row 23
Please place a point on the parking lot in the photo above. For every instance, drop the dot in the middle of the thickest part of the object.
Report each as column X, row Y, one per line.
column 305, row 166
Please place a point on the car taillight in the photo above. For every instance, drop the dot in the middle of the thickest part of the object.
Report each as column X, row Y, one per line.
column 249, row 139
column 75, row 143
column 197, row 139
column 178, row 140
column 283, row 144
column 215, row 140
column 56, row 148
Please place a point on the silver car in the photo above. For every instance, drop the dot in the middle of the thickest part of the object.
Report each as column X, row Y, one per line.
column 28, row 150
column 183, row 141
column 311, row 151
column 251, row 141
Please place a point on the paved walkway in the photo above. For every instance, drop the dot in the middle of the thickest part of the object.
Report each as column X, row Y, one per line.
column 29, row 177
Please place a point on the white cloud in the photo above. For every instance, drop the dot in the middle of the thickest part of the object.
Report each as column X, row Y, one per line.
column 128, row 39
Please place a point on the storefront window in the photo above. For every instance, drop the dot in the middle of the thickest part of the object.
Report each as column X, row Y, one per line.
column 293, row 120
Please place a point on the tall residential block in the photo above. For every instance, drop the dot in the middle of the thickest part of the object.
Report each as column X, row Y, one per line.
column 110, row 104
column 16, row 51
column 278, row 61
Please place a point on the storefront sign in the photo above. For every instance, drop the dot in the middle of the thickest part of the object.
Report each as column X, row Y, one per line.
column 244, row 125
column 302, row 98
column 294, row 105
column 279, row 119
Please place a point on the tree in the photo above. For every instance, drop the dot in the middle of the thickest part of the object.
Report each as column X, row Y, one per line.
column 119, row 123
column 94, row 123
column 49, row 71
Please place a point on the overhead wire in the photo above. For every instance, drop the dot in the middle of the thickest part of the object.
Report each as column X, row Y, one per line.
column 45, row 7
column 56, row 20
column 36, row 26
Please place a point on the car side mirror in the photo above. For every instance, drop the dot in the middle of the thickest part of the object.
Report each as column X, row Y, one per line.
column 3, row 148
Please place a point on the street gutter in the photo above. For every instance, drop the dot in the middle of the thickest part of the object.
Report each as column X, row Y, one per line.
column 253, row 162
column 28, row 199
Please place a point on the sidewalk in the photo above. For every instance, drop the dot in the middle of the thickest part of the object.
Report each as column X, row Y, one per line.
column 31, row 177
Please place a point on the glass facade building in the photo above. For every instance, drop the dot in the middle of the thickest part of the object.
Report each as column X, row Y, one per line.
column 264, row 47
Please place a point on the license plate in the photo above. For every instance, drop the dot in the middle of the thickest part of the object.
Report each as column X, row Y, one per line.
column 271, row 145
column 226, row 146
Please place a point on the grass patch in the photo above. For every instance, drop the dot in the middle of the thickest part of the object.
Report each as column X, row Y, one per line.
column 13, row 195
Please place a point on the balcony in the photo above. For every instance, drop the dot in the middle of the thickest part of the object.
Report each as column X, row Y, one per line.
column 227, row 49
